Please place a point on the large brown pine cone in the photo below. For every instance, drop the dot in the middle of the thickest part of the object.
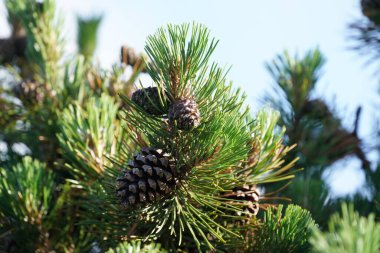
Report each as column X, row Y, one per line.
column 151, row 176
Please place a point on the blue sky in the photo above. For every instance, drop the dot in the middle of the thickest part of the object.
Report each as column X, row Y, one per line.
column 250, row 33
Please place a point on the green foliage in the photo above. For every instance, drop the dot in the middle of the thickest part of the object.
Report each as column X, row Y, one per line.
column 87, row 35
column 318, row 133
column 41, row 72
column 45, row 43
column 26, row 198
column 348, row 233
column 211, row 159
column 365, row 31
column 35, row 213
column 284, row 232
column 136, row 247
column 88, row 136
column 30, row 184
column 64, row 87
column 75, row 88
column 84, row 134
column 179, row 56
column 295, row 78
column 314, row 195
column 263, row 165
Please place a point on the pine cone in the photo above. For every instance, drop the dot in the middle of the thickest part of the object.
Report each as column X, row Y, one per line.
column 316, row 108
column 371, row 9
column 149, row 100
column 128, row 55
column 29, row 92
column 12, row 48
column 251, row 196
column 152, row 176
column 185, row 114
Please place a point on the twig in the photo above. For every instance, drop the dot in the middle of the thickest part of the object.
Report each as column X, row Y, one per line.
column 129, row 57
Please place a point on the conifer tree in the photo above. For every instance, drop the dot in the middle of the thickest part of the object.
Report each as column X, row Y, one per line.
column 178, row 164
column 314, row 127
column 97, row 162
column 365, row 34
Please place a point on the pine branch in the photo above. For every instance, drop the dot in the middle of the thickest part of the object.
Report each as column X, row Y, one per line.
column 44, row 41
column 284, row 232
column 208, row 159
column 366, row 35
column 26, row 197
column 174, row 62
column 136, row 247
column 348, row 232
column 97, row 149
column 87, row 35
column 88, row 136
column 318, row 132
column 296, row 77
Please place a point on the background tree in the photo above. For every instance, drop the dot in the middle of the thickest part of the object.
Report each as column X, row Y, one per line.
column 316, row 129
column 365, row 34
column 322, row 140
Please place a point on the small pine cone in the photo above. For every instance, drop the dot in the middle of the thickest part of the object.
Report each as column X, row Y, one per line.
column 128, row 55
column 151, row 176
column 149, row 100
column 251, row 196
column 316, row 108
column 371, row 9
column 29, row 92
column 185, row 114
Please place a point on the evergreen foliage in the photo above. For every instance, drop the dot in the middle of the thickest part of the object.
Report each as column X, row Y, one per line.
column 27, row 191
column 87, row 31
column 136, row 247
column 365, row 33
column 286, row 231
column 319, row 134
column 84, row 132
column 88, row 135
column 209, row 159
column 349, row 233
column 310, row 123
